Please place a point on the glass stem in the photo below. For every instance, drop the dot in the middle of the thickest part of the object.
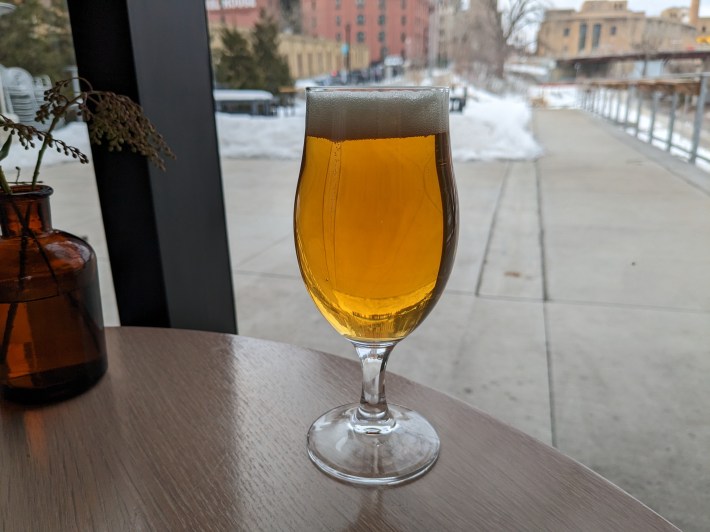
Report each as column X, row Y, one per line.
column 373, row 358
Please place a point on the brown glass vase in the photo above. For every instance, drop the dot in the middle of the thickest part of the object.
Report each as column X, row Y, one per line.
column 51, row 323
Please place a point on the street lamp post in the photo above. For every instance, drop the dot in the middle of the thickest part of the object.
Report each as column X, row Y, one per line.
column 347, row 53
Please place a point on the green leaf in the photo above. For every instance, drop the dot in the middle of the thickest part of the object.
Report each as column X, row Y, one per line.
column 5, row 148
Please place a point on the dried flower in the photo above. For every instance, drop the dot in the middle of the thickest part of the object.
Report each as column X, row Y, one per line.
column 113, row 119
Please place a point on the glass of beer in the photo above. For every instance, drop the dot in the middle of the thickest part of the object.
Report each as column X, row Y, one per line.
column 376, row 225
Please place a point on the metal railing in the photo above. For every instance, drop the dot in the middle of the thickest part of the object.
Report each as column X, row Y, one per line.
column 650, row 108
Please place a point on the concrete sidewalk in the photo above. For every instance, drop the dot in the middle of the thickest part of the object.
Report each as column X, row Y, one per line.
column 578, row 309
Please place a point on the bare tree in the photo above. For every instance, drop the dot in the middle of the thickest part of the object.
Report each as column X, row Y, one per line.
column 491, row 29
column 518, row 18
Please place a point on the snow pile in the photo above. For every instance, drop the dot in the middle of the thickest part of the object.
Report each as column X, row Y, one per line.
column 492, row 128
column 489, row 128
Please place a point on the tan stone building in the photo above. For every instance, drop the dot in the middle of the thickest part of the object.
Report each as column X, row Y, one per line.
column 312, row 56
column 307, row 57
column 608, row 27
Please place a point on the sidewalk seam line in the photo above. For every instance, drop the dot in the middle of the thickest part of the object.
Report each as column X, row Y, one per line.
column 545, row 296
column 491, row 227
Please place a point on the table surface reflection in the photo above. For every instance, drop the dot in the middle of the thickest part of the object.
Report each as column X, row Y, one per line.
column 192, row 430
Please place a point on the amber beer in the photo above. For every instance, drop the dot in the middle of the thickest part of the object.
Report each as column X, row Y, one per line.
column 375, row 215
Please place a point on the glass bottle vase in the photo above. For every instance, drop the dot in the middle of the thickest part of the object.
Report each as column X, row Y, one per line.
column 51, row 324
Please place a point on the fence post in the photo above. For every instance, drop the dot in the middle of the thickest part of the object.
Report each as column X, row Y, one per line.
column 629, row 92
column 639, row 94
column 610, row 105
column 618, row 106
column 671, row 121
column 654, row 107
column 699, row 112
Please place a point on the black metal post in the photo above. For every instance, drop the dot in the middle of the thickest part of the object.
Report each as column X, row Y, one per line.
column 166, row 232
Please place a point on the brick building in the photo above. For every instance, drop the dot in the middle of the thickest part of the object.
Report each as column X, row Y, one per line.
column 387, row 27
column 306, row 56
column 239, row 13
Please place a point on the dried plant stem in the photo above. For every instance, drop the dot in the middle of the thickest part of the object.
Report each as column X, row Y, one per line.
column 45, row 144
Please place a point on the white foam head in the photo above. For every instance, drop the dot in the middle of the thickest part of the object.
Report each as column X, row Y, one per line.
column 371, row 113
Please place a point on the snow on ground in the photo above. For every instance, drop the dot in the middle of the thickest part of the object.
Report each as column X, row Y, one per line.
column 490, row 128
column 554, row 96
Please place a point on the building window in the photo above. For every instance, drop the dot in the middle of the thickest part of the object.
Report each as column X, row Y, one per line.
column 383, row 3
column 383, row 52
column 404, row 21
column 612, row 30
column 596, row 33
column 565, row 32
column 582, row 36
column 381, row 36
column 360, row 3
column 360, row 36
column 381, row 20
column 337, row 21
column 360, row 20
column 403, row 37
column 404, row 4
column 337, row 4
column 338, row 37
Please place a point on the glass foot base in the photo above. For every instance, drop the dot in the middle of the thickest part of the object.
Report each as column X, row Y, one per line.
column 377, row 453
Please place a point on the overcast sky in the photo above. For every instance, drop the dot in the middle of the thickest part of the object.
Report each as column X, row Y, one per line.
column 651, row 7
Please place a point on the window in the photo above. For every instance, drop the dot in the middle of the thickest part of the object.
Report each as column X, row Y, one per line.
column 337, row 4
column 612, row 30
column 404, row 21
column 338, row 37
column 381, row 36
column 404, row 4
column 582, row 37
column 381, row 20
column 360, row 36
column 360, row 3
column 403, row 37
column 383, row 3
column 360, row 20
column 565, row 32
column 337, row 21
column 596, row 33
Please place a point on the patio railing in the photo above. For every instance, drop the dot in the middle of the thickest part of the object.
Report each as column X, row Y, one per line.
column 667, row 112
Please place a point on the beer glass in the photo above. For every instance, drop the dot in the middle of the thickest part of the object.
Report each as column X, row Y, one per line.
column 375, row 226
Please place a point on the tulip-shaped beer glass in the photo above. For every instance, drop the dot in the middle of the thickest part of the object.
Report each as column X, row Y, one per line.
column 375, row 226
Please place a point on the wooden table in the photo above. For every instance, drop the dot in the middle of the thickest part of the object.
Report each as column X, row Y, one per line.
column 195, row 431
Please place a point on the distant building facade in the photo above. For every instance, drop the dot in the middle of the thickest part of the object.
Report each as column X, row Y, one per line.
column 310, row 57
column 306, row 56
column 386, row 27
column 239, row 13
column 608, row 27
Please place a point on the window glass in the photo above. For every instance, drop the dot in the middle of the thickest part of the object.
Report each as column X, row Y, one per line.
column 582, row 36
column 596, row 33
column 36, row 51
